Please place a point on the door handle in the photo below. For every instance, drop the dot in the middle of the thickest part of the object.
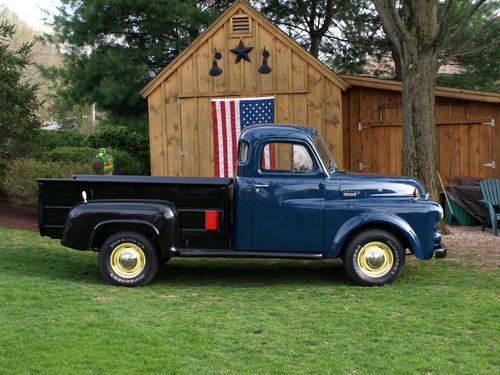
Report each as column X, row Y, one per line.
column 261, row 185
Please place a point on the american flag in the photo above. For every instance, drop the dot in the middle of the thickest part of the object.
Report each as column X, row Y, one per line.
column 230, row 117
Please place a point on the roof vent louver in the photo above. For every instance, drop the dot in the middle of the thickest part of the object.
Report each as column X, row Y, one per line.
column 240, row 25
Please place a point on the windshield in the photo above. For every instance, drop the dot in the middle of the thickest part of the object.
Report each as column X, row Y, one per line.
column 324, row 154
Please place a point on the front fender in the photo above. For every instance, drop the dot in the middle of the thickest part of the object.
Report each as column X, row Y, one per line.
column 88, row 221
column 373, row 219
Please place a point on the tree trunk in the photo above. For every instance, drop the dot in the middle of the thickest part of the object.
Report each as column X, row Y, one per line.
column 315, row 44
column 420, row 160
column 398, row 75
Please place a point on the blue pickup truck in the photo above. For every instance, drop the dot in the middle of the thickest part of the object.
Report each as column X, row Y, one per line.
column 289, row 200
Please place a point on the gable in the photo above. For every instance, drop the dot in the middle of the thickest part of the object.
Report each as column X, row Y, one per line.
column 240, row 22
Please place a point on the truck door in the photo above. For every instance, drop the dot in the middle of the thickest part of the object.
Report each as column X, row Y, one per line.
column 287, row 198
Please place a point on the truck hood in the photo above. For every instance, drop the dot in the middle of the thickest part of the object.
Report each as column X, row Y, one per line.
column 360, row 185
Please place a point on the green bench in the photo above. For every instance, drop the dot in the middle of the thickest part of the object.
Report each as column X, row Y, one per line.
column 491, row 199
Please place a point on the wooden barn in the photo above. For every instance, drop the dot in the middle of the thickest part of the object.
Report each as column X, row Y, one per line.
column 359, row 117
column 180, row 121
column 467, row 128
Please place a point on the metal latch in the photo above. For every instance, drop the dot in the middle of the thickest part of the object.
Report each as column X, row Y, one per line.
column 491, row 165
column 361, row 127
column 490, row 123
column 361, row 166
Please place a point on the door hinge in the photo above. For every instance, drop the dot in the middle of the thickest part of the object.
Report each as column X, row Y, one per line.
column 489, row 123
column 491, row 164
column 361, row 127
column 362, row 166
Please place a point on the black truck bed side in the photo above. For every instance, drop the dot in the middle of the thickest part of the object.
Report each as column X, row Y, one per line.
column 192, row 197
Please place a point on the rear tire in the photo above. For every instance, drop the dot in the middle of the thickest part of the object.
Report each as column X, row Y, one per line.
column 128, row 259
column 374, row 257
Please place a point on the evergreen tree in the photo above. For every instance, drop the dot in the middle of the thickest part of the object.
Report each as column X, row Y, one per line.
column 18, row 101
column 113, row 48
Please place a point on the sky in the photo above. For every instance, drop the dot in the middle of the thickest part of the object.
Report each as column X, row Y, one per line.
column 31, row 11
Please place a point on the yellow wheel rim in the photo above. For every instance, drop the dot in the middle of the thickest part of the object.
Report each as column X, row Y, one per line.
column 128, row 260
column 375, row 259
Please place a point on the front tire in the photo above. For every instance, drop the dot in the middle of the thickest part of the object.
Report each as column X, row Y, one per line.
column 128, row 259
column 374, row 257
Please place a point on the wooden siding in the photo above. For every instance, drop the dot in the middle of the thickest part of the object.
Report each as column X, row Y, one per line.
column 179, row 109
column 464, row 141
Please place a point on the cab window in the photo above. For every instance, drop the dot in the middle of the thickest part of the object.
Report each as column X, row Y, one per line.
column 283, row 157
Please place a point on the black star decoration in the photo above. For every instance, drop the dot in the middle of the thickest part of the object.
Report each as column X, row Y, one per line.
column 241, row 52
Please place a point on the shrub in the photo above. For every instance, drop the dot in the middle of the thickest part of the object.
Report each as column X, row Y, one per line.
column 21, row 174
column 125, row 164
column 125, row 139
column 82, row 155
column 50, row 140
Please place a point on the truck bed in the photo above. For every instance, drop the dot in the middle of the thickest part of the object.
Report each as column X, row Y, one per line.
column 192, row 197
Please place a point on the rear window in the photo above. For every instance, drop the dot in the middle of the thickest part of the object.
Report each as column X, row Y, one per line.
column 242, row 152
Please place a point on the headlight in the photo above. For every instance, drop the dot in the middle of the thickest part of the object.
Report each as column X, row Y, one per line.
column 441, row 212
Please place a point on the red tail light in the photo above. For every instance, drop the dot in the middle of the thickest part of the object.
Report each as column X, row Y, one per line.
column 416, row 194
column 211, row 220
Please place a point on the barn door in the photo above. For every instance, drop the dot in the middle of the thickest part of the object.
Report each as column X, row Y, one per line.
column 380, row 148
column 466, row 149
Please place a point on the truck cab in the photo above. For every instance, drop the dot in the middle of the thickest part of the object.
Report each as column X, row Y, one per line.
column 288, row 200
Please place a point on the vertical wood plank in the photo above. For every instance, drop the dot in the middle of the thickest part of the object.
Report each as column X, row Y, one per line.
column 385, row 150
column 444, row 152
column 203, row 64
column 332, row 121
column 354, row 133
column 454, row 152
column 346, row 162
column 187, row 78
column 315, row 98
column 474, row 146
column 282, row 109
column 251, row 76
column 205, row 138
column 173, row 124
column 157, row 152
column 464, row 150
column 219, row 42
column 299, row 72
column 265, row 39
column 485, row 152
column 299, row 109
column 189, row 137
column 283, row 65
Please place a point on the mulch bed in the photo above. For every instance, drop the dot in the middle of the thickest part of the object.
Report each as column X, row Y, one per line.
column 17, row 217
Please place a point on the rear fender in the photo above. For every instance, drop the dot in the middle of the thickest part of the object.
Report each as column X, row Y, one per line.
column 374, row 220
column 89, row 224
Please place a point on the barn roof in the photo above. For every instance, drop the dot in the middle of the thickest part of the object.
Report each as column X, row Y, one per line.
column 225, row 17
column 447, row 92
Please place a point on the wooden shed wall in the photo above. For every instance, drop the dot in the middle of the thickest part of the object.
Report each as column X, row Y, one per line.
column 464, row 141
column 179, row 109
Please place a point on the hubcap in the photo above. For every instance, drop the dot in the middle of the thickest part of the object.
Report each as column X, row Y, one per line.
column 375, row 259
column 128, row 260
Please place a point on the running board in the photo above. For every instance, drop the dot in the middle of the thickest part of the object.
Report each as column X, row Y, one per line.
column 218, row 253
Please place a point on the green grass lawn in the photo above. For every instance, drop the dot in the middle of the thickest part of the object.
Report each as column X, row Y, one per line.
column 57, row 316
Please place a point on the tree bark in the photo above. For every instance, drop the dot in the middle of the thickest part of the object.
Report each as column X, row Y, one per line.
column 419, row 126
column 413, row 42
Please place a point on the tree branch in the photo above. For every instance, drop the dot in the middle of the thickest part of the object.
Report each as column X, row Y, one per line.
column 454, row 52
column 393, row 24
column 442, row 22
column 459, row 27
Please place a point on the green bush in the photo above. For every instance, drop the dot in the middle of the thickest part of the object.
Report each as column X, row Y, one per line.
column 125, row 164
column 82, row 155
column 125, row 139
column 50, row 140
column 21, row 174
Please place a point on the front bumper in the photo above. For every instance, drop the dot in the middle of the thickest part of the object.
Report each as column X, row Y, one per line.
column 440, row 252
